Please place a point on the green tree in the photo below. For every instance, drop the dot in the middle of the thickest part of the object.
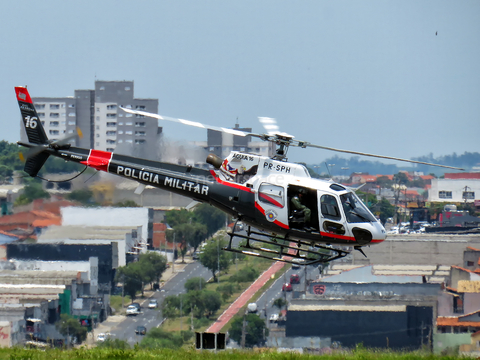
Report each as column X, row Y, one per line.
column 401, row 178
column 255, row 328
column 132, row 278
column 384, row 182
column 70, row 327
column 83, row 196
column 32, row 192
column 213, row 256
column 211, row 217
column 195, row 283
column 171, row 306
column 153, row 266
column 386, row 210
column 279, row 303
column 212, row 301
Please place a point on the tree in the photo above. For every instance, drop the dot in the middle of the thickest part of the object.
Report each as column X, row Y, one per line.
column 256, row 330
column 70, row 327
column 386, row 210
column 32, row 192
column 195, row 283
column 213, row 218
column 213, row 255
column 153, row 266
column 279, row 303
column 171, row 306
column 212, row 301
column 132, row 279
column 83, row 196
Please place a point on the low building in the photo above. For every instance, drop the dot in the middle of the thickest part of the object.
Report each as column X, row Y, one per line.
column 382, row 311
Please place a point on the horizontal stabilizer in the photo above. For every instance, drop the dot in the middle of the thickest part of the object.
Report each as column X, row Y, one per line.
column 35, row 163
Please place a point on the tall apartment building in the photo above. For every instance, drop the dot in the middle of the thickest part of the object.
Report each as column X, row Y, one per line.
column 98, row 115
column 221, row 144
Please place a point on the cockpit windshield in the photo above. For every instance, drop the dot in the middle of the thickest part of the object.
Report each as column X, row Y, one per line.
column 355, row 210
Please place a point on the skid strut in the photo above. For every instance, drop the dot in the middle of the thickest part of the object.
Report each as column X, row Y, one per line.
column 282, row 249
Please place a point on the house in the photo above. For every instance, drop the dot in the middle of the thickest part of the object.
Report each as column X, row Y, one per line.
column 459, row 305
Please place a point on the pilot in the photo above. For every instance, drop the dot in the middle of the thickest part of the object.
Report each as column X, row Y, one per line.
column 297, row 204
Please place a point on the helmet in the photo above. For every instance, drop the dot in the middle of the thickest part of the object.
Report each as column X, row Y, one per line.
column 302, row 191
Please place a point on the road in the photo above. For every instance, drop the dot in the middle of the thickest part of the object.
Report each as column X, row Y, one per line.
column 265, row 302
column 151, row 318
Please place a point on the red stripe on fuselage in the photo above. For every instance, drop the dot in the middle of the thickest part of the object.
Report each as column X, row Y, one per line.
column 276, row 222
column 98, row 159
column 228, row 183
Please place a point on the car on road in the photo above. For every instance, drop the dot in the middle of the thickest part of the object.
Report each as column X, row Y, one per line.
column 103, row 336
column 132, row 310
column 297, row 262
column 294, row 279
column 140, row 330
column 287, row 287
column 274, row 318
column 152, row 304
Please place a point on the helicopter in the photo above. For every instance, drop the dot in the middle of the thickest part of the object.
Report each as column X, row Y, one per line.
column 259, row 191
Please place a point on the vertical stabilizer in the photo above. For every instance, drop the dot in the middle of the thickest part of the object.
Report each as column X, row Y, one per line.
column 33, row 126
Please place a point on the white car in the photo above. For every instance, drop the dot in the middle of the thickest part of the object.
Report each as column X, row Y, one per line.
column 152, row 304
column 102, row 337
column 274, row 318
column 132, row 310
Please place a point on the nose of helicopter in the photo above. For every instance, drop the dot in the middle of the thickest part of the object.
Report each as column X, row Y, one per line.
column 378, row 232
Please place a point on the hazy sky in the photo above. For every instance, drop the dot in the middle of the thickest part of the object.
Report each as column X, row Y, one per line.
column 369, row 76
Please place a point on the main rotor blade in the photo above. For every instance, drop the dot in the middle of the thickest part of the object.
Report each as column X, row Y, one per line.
column 305, row 144
column 190, row 123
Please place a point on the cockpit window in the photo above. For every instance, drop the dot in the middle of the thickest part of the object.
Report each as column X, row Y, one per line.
column 354, row 209
column 329, row 207
column 271, row 194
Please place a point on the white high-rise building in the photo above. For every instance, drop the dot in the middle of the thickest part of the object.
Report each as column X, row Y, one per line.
column 98, row 115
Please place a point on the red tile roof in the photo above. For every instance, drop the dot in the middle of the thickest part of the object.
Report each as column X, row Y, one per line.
column 463, row 175
column 455, row 321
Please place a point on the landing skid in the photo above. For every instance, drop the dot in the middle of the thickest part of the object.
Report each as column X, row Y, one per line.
column 283, row 249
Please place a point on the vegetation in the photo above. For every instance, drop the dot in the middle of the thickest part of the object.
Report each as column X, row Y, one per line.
column 144, row 353
column 32, row 192
column 70, row 327
column 256, row 330
column 214, row 258
column 146, row 270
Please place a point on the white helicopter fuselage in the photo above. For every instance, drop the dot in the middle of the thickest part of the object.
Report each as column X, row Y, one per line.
column 337, row 215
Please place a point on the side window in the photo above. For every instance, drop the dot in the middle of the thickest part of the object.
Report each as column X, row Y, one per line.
column 271, row 194
column 329, row 207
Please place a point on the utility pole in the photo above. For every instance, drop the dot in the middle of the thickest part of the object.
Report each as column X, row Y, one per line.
column 218, row 258
column 123, row 291
column 244, row 330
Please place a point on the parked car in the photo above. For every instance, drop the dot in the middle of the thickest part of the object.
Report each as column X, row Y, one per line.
column 141, row 330
column 132, row 310
column 287, row 287
column 101, row 337
column 294, row 279
column 152, row 304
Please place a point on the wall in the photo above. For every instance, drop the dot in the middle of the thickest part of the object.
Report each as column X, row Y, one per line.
column 449, row 341
column 382, row 329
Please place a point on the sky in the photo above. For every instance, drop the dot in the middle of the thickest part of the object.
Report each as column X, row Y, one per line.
column 398, row 78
